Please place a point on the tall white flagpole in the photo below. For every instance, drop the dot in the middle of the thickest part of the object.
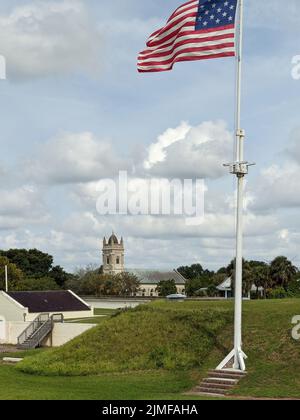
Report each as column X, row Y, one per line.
column 236, row 359
column 6, row 279
column 240, row 135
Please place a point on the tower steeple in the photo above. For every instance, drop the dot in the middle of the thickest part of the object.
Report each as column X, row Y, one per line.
column 113, row 255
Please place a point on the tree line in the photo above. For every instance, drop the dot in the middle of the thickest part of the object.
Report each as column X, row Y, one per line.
column 31, row 270
column 35, row 270
column 92, row 281
column 278, row 279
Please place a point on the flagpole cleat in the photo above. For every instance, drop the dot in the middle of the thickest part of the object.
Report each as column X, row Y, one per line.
column 240, row 169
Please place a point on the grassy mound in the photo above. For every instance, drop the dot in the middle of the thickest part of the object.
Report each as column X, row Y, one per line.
column 163, row 335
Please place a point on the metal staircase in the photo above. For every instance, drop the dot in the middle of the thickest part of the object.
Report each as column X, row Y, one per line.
column 33, row 336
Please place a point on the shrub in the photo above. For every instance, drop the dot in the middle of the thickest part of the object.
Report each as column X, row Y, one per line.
column 278, row 293
column 294, row 288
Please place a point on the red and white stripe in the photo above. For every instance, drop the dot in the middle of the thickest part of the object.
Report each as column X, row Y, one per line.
column 179, row 41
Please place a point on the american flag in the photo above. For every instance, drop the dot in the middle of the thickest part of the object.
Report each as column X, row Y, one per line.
column 197, row 30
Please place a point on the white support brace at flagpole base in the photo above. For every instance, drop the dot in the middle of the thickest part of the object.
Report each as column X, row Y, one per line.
column 236, row 358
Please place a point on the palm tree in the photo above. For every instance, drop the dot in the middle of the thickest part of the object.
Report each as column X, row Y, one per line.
column 282, row 272
column 262, row 278
column 248, row 276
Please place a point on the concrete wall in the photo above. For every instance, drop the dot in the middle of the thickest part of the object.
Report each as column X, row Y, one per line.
column 61, row 334
column 67, row 315
column 2, row 329
column 11, row 310
column 13, row 330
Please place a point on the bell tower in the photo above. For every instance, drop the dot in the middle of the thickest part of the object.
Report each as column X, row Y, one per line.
column 113, row 255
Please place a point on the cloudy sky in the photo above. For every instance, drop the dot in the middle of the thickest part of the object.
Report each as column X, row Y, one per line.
column 74, row 111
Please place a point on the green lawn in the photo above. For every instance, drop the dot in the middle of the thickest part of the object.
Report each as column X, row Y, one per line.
column 95, row 320
column 160, row 385
column 104, row 311
column 100, row 315
column 179, row 343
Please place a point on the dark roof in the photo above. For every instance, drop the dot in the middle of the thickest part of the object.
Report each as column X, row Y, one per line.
column 154, row 277
column 57, row 301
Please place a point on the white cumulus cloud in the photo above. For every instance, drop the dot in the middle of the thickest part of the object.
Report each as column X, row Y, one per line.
column 72, row 158
column 43, row 38
column 187, row 151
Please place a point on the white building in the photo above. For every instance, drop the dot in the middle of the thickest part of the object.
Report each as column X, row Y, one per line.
column 26, row 306
column 19, row 310
column 225, row 288
column 149, row 280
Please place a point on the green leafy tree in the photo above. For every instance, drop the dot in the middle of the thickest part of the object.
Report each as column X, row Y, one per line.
column 294, row 286
column 191, row 272
column 59, row 275
column 33, row 263
column 89, row 281
column 192, row 286
column 248, row 275
column 127, row 284
column 166, row 287
column 212, row 291
column 219, row 278
column 278, row 293
column 31, row 284
column 282, row 272
column 262, row 278
column 92, row 284
column 15, row 275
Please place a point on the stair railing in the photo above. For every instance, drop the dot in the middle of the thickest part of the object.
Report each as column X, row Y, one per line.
column 39, row 329
column 33, row 327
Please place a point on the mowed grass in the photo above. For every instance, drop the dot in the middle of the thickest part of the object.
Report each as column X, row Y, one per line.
column 15, row 385
column 150, row 337
column 99, row 316
column 274, row 356
column 105, row 311
column 273, row 364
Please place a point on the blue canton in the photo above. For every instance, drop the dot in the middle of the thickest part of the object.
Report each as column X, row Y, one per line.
column 215, row 13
